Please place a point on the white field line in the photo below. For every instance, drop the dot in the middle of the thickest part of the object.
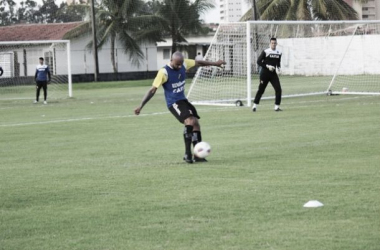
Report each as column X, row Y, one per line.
column 100, row 118
column 160, row 113
column 79, row 119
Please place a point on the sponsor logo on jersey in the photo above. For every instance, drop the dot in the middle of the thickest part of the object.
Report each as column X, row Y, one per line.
column 274, row 56
column 178, row 87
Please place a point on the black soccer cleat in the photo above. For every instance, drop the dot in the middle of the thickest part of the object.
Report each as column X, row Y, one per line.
column 278, row 110
column 197, row 159
column 253, row 109
column 187, row 158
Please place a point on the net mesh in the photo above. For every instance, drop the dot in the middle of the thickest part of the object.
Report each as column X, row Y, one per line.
column 316, row 57
column 19, row 63
column 229, row 83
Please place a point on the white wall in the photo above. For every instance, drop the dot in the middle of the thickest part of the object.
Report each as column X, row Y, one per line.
column 322, row 55
column 199, row 41
column 33, row 53
column 161, row 61
column 83, row 62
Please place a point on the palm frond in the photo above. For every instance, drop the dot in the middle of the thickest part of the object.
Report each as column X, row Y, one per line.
column 131, row 47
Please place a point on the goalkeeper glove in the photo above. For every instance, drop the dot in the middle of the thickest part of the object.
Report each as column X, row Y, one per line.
column 278, row 70
column 270, row 67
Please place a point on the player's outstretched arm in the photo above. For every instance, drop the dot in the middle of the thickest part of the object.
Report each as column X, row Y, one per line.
column 146, row 99
column 209, row 63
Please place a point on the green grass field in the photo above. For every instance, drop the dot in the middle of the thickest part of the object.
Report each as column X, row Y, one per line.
column 86, row 173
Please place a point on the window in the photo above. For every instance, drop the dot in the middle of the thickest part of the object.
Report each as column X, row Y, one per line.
column 365, row 16
column 166, row 53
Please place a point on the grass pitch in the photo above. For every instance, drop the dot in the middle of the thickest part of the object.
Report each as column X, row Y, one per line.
column 85, row 173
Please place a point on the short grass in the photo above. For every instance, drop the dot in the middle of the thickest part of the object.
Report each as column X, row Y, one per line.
column 85, row 173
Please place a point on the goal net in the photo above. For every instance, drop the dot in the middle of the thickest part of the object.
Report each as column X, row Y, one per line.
column 318, row 57
column 19, row 61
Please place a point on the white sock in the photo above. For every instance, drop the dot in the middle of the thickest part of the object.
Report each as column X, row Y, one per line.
column 254, row 105
column 276, row 107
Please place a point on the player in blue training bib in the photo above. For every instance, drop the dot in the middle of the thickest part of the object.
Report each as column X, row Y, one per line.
column 172, row 78
column 42, row 78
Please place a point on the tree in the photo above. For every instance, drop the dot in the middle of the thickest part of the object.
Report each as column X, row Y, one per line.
column 72, row 13
column 49, row 11
column 123, row 21
column 27, row 12
column 181, row 17
column 303, row 10
column 7, row 12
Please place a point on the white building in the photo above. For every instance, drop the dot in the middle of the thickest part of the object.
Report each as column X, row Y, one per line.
column 194, row 45
column 232, row 10
column 21, row 60
column 24, row 58
column 369, row 10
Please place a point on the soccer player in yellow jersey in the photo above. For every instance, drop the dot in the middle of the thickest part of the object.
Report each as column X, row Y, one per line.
column 172, row 78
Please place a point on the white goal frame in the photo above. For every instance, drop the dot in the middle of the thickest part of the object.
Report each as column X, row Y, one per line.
column 248, row 99
column 68, row 50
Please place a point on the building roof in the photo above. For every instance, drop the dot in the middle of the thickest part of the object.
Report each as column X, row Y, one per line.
column 36, row 32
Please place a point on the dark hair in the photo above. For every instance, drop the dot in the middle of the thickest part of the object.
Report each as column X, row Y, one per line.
column 273, row 39
column 41, row 58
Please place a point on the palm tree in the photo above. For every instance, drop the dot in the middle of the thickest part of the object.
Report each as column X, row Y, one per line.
column 182, row 17
column 303, row 10
column 122, row 20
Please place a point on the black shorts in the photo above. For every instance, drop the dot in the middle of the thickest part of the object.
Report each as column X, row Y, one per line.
column 182, row 110
column 41, row 84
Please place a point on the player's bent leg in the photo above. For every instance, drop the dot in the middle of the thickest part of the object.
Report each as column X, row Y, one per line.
column 262, row 86
column 186, row 113
column 277, row 88
column 197, row 137
column 187, row 136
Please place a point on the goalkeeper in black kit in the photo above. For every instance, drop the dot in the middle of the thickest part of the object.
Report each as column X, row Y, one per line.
column 270, row 62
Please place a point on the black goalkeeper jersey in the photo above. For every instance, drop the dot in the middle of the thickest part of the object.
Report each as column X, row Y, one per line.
column 269, row 57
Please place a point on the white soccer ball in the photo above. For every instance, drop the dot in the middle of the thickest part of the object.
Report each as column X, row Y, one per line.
column 202, row 149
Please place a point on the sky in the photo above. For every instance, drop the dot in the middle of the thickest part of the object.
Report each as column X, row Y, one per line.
column 212, row 16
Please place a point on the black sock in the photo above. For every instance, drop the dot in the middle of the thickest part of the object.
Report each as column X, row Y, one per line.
column 187, row 136
column 196, row 137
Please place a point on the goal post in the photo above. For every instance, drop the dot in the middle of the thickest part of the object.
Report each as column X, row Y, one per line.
column 19, row 60
column 318, row 57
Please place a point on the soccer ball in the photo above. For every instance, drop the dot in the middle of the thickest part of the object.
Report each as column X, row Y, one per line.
column 202, row 149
